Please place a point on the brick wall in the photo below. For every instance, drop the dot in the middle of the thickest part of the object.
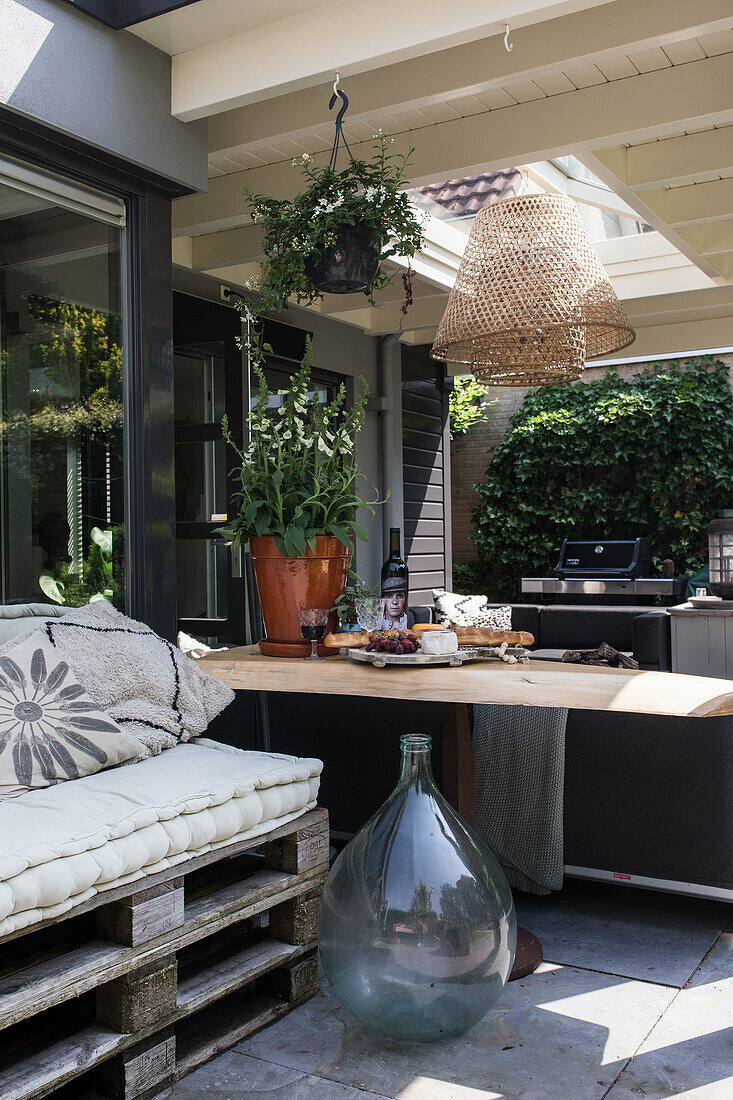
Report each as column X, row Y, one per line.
column 471, row 453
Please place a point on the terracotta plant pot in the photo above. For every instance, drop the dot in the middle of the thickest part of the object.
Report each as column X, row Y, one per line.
column 287, row 584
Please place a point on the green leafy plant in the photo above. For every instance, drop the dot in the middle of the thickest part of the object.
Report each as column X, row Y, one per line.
column 612, row 458
column 467, row 405
column 94, row 580
column 345, row 605
column 364, row 194
column 299, row 477
column 468, row 578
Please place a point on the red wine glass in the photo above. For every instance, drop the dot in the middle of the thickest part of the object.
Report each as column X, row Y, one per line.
column 313, row 625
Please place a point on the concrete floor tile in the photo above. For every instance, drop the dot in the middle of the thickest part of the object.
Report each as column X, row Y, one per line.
column 689, row 1053
column 620, row 930
column 233, row 1075
column 561, row 1032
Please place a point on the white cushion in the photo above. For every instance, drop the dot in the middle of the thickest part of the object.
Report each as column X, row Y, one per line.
column 452, row 609
column 62, row 845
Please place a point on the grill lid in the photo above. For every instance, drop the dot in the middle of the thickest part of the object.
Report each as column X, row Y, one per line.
column 605, row 558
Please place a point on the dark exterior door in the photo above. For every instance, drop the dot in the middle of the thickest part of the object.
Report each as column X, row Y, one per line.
column 208, row 383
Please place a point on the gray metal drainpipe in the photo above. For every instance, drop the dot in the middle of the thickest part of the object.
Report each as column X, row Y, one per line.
column 390, row 430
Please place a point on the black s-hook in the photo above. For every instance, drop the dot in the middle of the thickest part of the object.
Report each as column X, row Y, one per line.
column 338, row 94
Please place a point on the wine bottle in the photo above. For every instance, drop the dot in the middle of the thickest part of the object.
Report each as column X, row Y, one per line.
column 395, row 585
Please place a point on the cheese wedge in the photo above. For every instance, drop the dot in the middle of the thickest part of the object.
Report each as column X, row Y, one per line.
column 439, row 642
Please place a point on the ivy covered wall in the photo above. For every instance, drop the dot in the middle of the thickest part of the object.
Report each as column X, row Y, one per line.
column 648, row 450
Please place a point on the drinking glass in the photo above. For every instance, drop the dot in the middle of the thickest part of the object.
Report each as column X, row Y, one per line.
column 313, row 624
column 369, row 612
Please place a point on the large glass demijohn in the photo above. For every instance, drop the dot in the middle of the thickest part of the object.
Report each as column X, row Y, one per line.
column 418, row 930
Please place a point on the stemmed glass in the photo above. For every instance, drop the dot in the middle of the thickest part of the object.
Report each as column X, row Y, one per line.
column 369, row 612
column 313, row 625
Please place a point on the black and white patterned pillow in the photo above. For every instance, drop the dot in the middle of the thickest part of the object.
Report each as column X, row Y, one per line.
column 494, row 618
column 151, row 689
column 452, row 609
column 50, row 729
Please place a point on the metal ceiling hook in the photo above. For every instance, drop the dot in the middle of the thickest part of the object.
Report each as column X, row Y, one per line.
column 339, row 136
column 508, row 46
column 337, row 93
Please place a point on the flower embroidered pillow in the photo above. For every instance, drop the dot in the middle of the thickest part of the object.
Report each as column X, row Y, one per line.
column 50, row 729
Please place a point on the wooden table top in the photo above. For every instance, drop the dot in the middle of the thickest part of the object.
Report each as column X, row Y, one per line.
column 531, row 683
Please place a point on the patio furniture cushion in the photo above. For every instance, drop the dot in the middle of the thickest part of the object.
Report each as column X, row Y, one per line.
column 453, row 609
column 571, row 627
column 650, row 633
column 19, row 618
column 63, row 845
column 50, row 730
column 143, row 681
column 526, row 616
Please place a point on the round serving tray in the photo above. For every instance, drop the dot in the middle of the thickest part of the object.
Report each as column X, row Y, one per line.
column 710, row 603
column 462, row 657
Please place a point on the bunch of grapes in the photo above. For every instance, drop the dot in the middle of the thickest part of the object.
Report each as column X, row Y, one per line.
column 393, row 641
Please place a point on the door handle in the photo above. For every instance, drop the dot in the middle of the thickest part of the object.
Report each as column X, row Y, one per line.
column 236, row 560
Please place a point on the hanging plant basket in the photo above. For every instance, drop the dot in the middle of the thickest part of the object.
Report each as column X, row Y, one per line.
column 349, row 265
column 336, row 235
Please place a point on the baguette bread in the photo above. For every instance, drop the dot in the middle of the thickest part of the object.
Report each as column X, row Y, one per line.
column 357, row 639
column 420, row 628
column 482, row 635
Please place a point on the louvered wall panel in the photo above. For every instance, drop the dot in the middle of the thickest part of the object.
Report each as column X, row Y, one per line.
column 426, row 474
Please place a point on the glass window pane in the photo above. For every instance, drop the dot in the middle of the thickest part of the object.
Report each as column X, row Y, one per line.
column 199, row 387
column 201, row 481
column 61, row 411
column 202, row 567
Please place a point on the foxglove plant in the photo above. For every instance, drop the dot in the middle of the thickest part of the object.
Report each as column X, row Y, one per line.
column 299, row 476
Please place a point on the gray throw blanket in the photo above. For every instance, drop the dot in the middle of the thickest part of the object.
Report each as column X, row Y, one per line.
column 519, row 760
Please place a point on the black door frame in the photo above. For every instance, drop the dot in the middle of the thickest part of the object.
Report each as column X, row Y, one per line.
column 218, row 324
column 150, row 577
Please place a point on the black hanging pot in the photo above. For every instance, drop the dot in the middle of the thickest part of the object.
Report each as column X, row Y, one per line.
column 347, row 266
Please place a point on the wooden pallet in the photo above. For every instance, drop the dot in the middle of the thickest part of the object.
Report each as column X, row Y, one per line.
column 133, row 990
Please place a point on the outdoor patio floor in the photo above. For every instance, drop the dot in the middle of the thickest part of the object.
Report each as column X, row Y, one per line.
column 635, row 1000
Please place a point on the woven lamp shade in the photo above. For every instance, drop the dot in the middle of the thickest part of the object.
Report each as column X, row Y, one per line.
column 531, row 301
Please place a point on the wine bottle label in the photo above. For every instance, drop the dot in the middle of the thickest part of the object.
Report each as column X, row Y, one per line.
column 394, row 590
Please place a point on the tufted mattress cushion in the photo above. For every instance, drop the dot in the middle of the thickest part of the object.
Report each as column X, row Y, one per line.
column 62, row 845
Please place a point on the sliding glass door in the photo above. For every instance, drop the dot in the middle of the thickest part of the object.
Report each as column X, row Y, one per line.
column 61, row 391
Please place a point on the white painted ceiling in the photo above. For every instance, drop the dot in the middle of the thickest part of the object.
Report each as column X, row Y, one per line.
column 640, row 91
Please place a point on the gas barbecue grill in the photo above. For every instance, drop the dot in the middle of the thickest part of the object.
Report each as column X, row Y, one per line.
column 605, row 567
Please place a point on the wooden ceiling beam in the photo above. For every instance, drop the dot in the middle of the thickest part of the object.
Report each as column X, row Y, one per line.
column 695, row 94
column 542, row 49
column 674, row 160
column 700, row 202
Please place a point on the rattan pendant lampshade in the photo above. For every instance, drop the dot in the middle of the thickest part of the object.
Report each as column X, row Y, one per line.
column 531, row 301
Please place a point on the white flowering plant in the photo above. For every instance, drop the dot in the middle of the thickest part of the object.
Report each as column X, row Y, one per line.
column 299, row 476
column 365, row 194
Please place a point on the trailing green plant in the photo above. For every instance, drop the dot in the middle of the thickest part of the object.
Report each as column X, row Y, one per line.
column 365, row 194
column 94, row 579
column 467, row 405
column 354, row 589
column 612, row 458
column 299, row 476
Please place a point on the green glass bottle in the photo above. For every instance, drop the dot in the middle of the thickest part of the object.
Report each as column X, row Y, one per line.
column 395, row 585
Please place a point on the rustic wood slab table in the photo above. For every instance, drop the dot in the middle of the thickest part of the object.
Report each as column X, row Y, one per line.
column 529, row 684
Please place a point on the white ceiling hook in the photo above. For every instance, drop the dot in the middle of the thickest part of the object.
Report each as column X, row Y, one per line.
column 508, row 46
column 336, row 84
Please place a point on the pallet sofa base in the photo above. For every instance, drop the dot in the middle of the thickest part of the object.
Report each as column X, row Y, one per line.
column 126, row 995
